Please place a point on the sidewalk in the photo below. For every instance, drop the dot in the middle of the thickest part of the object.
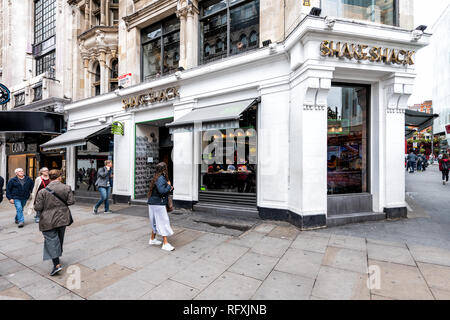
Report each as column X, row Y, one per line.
column 270, row 261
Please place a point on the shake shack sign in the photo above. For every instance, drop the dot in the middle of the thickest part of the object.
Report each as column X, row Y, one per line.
column 364, row 52
column 150, row 98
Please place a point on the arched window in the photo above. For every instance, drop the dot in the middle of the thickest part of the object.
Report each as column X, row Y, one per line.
column 113, row 82
column 243, row 42
column 97, row 77
column 253, row 39
column 207, row 50
column 220, row 46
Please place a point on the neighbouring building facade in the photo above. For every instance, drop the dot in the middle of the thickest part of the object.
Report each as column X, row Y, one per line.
column 257, row 106
column 36, row 68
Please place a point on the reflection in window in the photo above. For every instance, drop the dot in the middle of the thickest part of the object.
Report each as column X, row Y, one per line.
column 347, row 140
column 229, row 157
column 243, row 27
column 379, row 11
column 161, row 48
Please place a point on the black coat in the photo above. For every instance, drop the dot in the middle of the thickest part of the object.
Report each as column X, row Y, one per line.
column 160, row 192
column 15, row 190
column 2, row 182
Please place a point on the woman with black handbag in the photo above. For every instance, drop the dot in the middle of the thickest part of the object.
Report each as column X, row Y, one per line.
column 158, row 200
column 53, row 202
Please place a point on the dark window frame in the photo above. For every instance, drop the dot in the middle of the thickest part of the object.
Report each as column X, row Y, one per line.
column 227, row 41
column 44, row 34
column 19, row 99
column 160, row 24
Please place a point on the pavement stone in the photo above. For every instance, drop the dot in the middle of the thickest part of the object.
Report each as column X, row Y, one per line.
column 346, row 259
column 230, row 286
column 390, row 254
column 401, row 282
column 5, row 284
column 338, row 284
column 308, row 242
column 248, row 239
column 284, row 232
column 14, row 293
column 300, row 262
column 200, row 274
column 264, row 228
column 430, row 255
column 23, row 278
column 9, row 266
column 441, row 294
column 171, row 290
column 106, row 258
column 124, row 289
column 284, row 286
column 142, row 258
column 70, row 296
column 436, row 276
column 271, row 246
column 347, row 242
column 184, row 237
column 225, row 253
column 386, row 243
column 44, row 289
column 254, row 265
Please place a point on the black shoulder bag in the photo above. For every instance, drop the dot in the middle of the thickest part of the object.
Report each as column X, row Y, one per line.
column 63, row 201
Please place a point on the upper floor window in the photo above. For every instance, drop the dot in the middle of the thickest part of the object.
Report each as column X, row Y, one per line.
column 113, row 82
column 379, row 11
column 45, row 63
column 44, row 34
column 19, row 99
column 228, row 27
column 97, row 78
column 160, row 48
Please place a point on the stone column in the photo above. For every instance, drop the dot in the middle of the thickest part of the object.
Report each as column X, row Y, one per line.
column 191, row 37
column 71, row 167
column 87, row 82
column 102, row 13
column 103, row 72
column 181, row 14
column 3, row 160
column 86, row 17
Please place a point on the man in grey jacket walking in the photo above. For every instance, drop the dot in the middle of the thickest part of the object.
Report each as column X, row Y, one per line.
column 104, row 186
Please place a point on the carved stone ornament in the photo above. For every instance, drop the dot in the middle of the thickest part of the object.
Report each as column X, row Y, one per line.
column 329, row 22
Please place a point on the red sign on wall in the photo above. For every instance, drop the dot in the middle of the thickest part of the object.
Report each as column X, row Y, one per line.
column 447, row 128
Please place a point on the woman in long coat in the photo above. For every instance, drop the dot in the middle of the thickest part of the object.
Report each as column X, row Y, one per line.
column 53, row 202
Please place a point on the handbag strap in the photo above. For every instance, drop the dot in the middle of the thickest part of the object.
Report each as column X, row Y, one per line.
column 56, row 196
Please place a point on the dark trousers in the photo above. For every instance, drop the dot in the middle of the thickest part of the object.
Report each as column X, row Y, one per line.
column 445, row 175
column 53, row 243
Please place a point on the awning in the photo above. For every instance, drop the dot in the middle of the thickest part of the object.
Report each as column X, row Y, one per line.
column 418, row 120
column 73, row 138
column 224, row 116
column 31, row 121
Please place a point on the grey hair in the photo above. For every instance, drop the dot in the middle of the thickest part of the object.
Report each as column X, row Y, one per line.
column 43, row 169
column 17, row 170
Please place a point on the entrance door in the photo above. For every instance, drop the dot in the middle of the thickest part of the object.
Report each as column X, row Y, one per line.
column 348, row 149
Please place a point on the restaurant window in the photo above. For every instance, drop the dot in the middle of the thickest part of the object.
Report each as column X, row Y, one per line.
column 379, row 11
column 160, row 48
column 233, row 23
column 348, row 149
column 229, row 157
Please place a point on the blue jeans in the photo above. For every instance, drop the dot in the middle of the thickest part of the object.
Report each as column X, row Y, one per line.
column 20, row 204
column 104, row 194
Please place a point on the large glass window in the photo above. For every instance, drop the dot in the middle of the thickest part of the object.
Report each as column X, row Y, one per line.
column 228, row 27
column 45, row 63
column 379, row 11
column 348, row 139
column 229, row 157
column 160, row 48
column 44, row 35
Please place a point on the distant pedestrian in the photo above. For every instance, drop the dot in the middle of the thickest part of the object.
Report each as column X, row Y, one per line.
column 444, row 166
column 53, row 202
column 92, row 174
column 419, row 162
column 424, row 162
column 412, row 158
column 18, row 191
column 40, row 183
column 2, row 183
column 160, row 187
column 104, row 186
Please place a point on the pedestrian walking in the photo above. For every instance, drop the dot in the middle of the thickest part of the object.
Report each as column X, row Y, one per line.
column 18, row 191
column 424, row 162
column 160, row 187
column 40, row 183
column 53, row 202
column 444, row 166
column 92, row 175
column 104, row 186
column 412, row 158
column 2, row 183
column 419, row 162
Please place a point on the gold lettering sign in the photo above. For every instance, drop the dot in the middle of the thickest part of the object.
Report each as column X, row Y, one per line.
column 363, row 52
column 151, row 97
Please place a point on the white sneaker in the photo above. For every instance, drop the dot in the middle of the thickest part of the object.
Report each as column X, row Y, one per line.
column 167, row 247
column 155, row 242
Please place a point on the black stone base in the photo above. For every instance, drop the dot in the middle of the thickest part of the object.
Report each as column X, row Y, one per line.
column 396, row 213
column 301, row 222
column 182, row 204
column 117, row 198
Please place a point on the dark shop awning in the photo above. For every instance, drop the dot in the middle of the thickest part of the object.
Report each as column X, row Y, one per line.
column 217, row 117
column 74, row 138
column 418, row 120
column 31, row 122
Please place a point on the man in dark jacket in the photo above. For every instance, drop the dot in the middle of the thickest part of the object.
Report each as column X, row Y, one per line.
column 2, row 182
column 53, row 202
column 104, row 186
column 18, row 191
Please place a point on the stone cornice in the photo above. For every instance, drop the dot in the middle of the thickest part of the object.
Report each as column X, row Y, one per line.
column 91, row 32
column 154, row 9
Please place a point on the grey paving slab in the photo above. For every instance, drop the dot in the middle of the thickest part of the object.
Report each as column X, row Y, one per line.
column 346, row 259
column 347, row 242
column 23, row 278
column 14, row 293
column 197, row 248
column 300, row 262
column 441, row 294
column 271, row 246
column 264, row 228
column 171, row 290
column 390, row 254
column 106, row 258
column 162, row 269
column 200, row 274
column 124, row 289
column 310, row 243
column 387, row 243
column 430, row 255
column 230, row 286
column 3, row 257
column 287, row 231
column 338, row 284
column 44, row 289
column 436, row 276
column 225, row 253
column 32, row 259
column 400, row 282
column 143, row 258
column 9, row 266
column 70, row 296
column 254, row 265
column 284, row 286
column 5, row 284
column 248, row 239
